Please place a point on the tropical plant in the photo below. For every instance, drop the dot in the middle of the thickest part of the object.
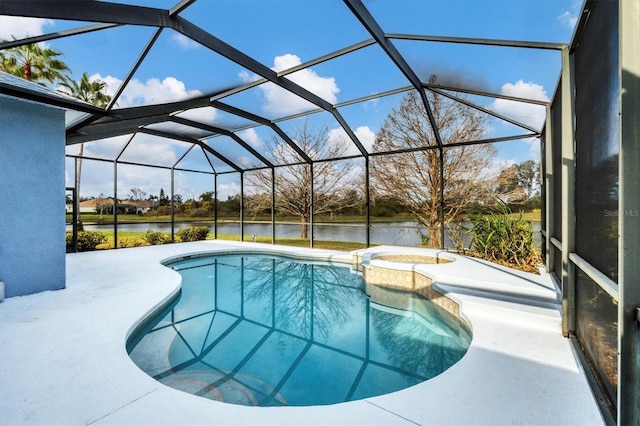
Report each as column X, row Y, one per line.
column 35, row 62
column 91, row 91
column 86, row 89
column 502, row 238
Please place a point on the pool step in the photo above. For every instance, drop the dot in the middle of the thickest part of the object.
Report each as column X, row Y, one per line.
column 238, row 388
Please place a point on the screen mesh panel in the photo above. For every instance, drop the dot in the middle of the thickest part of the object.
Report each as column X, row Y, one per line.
column 596, row 323
column 556, row 129
column 596, row 194
column 596, row 108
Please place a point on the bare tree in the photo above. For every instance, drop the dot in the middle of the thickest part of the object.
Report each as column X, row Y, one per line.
column 293, row 182
column 414, row 175
column 137, row 194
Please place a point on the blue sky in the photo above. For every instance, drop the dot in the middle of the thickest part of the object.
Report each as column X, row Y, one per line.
column 282, row 34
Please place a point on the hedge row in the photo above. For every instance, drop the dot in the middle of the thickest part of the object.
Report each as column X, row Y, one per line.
column 90, row 240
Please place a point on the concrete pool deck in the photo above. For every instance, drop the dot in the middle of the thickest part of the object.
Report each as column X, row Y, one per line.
column 63, row 356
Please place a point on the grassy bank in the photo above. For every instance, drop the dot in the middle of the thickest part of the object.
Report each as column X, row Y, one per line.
column 94, row 219
column 136, row 239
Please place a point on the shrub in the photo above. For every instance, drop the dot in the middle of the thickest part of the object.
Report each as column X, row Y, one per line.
column 130, row 242
column 195, row 233
column 156, row 237
column 501, row 238
column 87, row 240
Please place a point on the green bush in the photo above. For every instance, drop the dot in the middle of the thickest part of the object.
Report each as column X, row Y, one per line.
column 87, row 240
column 156, row 237
column 130, row 242
column 195, row 233
column 501, row 238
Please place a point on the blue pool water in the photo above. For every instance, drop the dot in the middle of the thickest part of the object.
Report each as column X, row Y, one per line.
column 271, row 331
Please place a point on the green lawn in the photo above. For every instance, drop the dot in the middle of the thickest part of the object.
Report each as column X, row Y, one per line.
column 91, row 219
column 135, row 239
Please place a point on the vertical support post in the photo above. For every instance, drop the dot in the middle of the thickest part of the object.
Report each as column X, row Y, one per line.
column 115, row 203
column 215, row 206
column 628, row 216
column 74, row 218
column 548, row 182
column 273, row 205
column 78, row 223
column 115, row 190
column 367, row 202
column 441, row 212
column 568, row 195
column 313, row 207
column 172, row 204
column 242, row 206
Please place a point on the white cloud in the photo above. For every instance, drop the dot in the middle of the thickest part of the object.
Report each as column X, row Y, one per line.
column 206, row 115
column 13, row 26
column 364, row 134
column 252, row 138
column 150, row 181
column 152, row 149
column 244, row 161
column 226, row 190
column 245, row 77
column 282, row 102
column 569, row 18
column 107, row 148
column 153, row 91
column 366, row 137
column 183, row 42
column 144, row 148
column 530, row 114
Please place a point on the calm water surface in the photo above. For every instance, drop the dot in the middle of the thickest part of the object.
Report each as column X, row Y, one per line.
column 272, row 331
column 391, row 233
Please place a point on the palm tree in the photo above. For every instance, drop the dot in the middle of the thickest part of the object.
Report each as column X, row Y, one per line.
column 92, row 91
column 34, row 63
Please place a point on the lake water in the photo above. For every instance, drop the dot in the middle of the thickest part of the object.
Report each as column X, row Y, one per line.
column 391, row 233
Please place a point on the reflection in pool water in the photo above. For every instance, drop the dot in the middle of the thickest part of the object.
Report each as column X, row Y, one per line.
column 270, row 331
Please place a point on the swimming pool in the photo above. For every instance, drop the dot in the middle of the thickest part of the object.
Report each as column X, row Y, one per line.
column 272, row 331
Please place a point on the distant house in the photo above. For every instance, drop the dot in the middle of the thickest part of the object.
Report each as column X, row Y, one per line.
column 143, row 206
column 105, row 206
column 94, row 205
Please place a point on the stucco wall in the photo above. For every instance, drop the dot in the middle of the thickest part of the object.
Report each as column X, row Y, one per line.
column 32, row 223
